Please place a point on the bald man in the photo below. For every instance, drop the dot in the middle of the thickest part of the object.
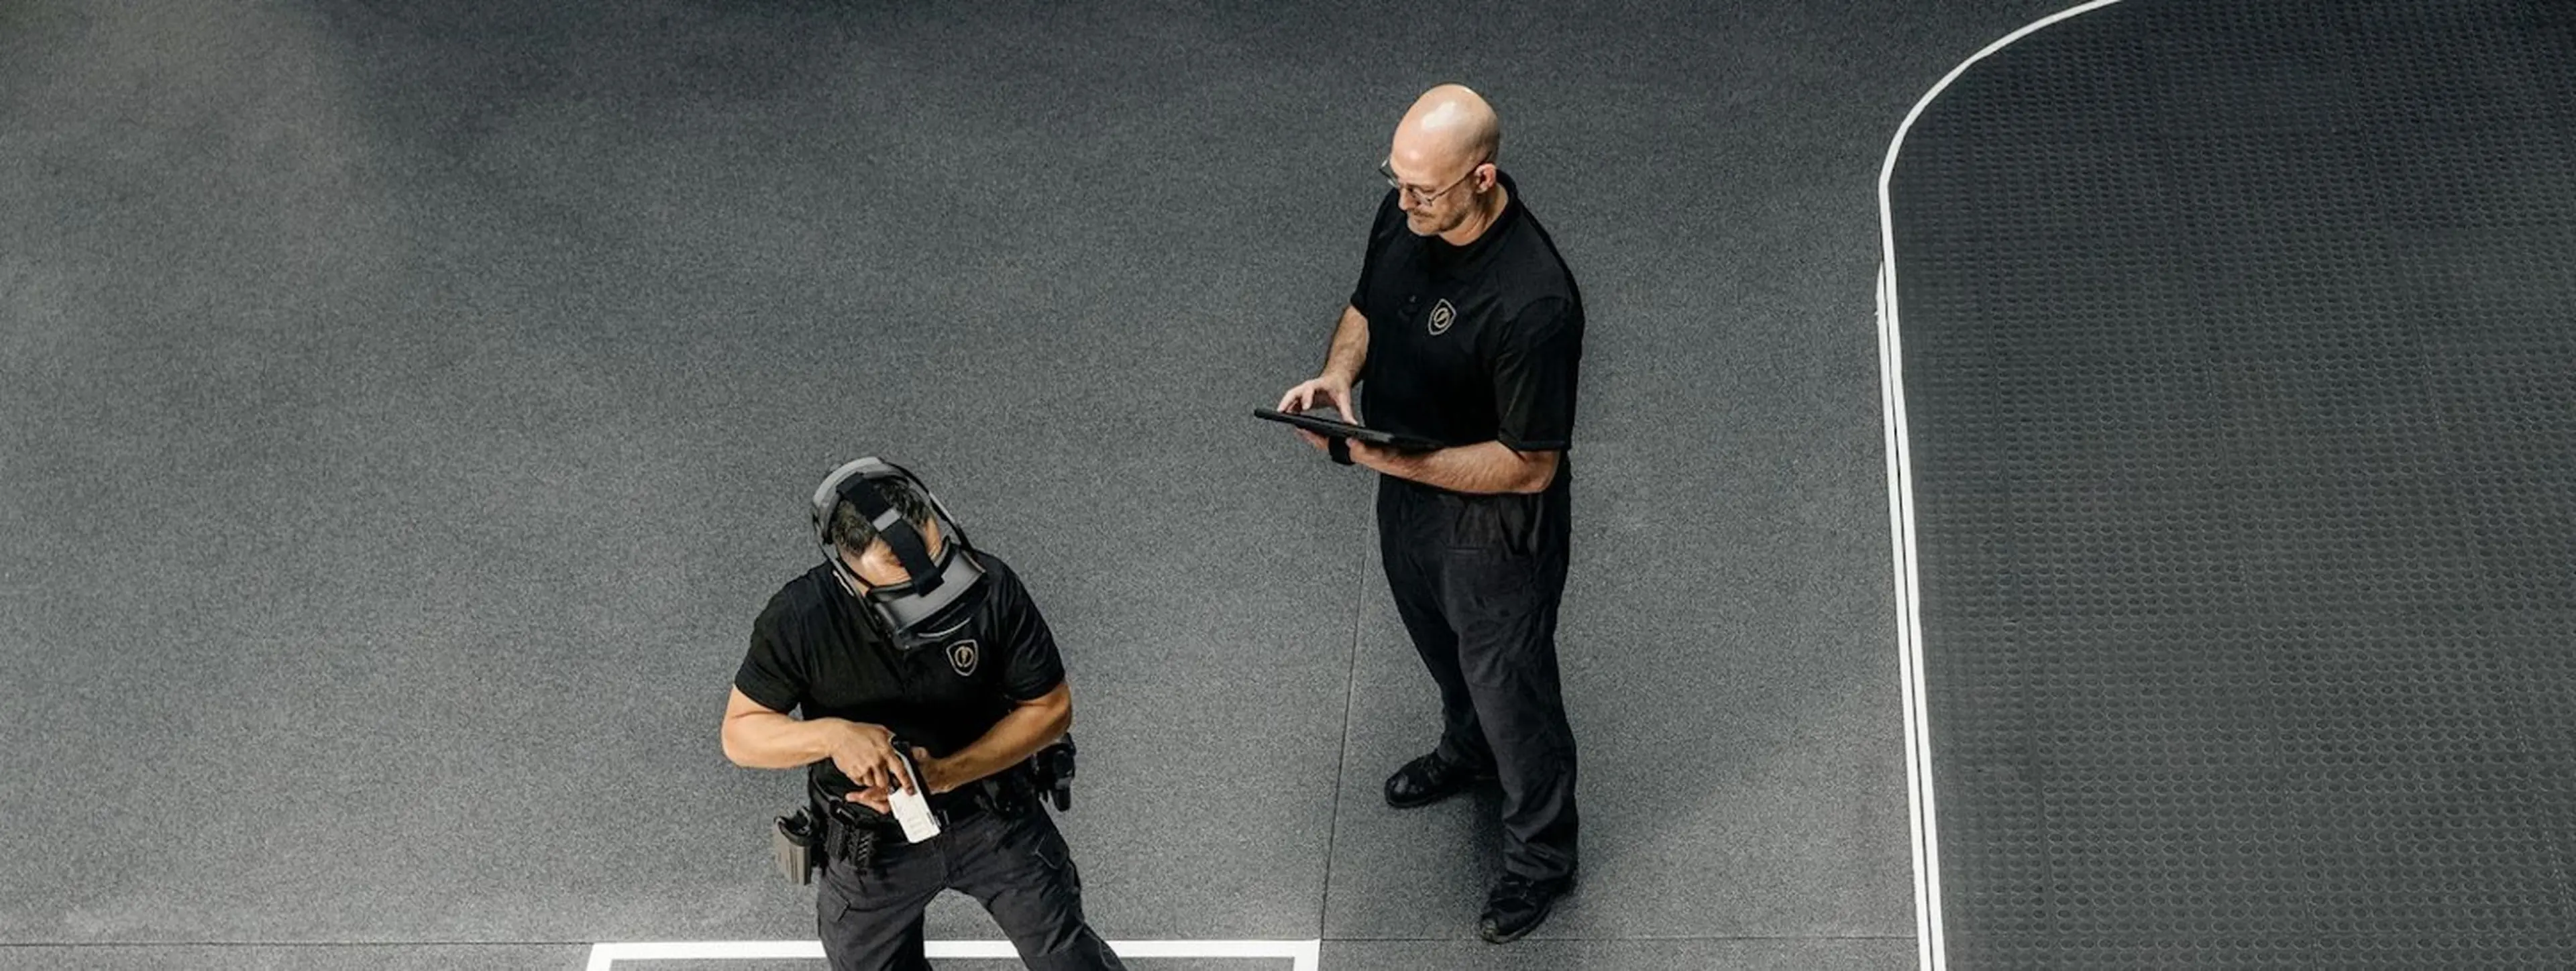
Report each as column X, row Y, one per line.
column 1465, row 329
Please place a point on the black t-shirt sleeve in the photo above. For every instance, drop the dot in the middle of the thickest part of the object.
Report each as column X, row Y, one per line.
column 770, row 673
column 1031, row 665
column 1534, row 372
column 1369, row 254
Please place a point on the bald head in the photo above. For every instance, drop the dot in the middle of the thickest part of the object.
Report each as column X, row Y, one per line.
column 1448, row 129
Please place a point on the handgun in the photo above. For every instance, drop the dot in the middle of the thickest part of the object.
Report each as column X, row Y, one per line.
column 910, row 808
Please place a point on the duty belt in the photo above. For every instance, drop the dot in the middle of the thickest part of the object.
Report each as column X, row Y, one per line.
column 832, row 827
column 852, row 833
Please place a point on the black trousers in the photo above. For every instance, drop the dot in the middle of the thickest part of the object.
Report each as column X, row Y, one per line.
column 1017, row 866
column 1477, row 579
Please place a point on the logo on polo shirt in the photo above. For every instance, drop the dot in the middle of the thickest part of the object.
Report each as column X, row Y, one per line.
column 1442, row 315
column 962, row 656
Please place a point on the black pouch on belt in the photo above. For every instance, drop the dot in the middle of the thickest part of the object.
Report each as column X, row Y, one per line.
column 1051, row 771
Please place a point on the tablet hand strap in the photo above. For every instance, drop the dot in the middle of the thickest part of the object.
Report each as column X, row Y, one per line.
column 1340, row 449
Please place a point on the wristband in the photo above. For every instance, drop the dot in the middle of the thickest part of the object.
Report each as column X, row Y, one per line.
column 1340, row 450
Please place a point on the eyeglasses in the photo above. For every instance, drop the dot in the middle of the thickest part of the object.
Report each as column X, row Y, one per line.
column 1417, row 196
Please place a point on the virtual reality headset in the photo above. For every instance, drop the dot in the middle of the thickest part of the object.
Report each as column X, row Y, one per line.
column 943, row 588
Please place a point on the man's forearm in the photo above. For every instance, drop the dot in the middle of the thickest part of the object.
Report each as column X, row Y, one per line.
column 776, row 741
column 1350, row 346
column 1485, row 467
column 1019, row 734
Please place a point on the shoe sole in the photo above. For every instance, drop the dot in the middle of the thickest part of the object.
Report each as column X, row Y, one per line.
column 1428, row 800
column 1425, row 801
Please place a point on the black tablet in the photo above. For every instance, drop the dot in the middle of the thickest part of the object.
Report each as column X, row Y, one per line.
column 1339, row 429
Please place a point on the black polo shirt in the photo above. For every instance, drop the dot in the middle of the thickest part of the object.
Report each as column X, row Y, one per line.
column 813, row 648
column 1471, row 343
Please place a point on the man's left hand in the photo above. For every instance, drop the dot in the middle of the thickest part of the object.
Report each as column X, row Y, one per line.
column 934, row 773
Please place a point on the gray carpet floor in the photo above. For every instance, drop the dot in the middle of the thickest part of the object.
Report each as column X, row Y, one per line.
column 2236, row 371
column 408, row 405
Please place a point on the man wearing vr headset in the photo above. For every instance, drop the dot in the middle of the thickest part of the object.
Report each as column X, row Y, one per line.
column 908, row 636
column 1466, row 328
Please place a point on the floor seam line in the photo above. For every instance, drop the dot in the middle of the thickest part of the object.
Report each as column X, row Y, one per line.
column 1350, row 694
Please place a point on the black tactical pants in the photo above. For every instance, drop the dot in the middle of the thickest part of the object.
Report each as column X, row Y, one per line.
column 1018, row 866
column 1477, row 579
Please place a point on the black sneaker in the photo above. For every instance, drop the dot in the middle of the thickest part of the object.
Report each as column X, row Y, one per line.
column 1429, row 779
column 1518, row 905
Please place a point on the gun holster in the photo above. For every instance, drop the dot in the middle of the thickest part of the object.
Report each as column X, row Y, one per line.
column 795, row 846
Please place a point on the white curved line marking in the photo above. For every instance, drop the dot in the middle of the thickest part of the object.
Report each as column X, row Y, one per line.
column 1931, row 948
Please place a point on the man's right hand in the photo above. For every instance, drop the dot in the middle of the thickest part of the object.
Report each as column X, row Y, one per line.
column 1326, row 391
column 865, row 753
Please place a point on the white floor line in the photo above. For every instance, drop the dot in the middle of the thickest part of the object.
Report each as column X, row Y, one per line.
column 1302, row 955
column 1931, row 947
